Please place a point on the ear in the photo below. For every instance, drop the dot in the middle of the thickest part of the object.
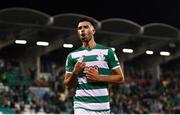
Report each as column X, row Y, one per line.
column 93, row 30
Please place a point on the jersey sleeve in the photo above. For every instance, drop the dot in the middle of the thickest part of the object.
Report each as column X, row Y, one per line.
column 113, row 61
column 69, row 64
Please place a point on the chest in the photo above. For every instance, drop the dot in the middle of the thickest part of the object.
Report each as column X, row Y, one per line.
column 93, row 57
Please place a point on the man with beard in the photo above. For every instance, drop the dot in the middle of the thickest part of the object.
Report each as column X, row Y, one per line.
column 89, row 69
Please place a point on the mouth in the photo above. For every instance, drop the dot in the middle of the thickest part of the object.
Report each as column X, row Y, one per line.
column 83, row 35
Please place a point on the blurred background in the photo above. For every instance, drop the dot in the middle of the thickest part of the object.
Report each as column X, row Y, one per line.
column 36, row 36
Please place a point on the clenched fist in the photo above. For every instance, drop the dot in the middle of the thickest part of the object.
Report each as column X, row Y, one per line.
column 92, row 73
column 78, row 67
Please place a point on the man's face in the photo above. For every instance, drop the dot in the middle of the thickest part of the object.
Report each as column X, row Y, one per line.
column 85, row 31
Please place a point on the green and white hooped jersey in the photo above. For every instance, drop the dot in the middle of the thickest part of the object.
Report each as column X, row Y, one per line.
column 92, row 96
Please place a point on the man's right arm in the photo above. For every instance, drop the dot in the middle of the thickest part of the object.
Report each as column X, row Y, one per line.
column 70, row 77
column 69, row 80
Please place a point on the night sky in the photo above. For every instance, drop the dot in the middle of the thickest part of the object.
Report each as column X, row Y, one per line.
column 141, row 12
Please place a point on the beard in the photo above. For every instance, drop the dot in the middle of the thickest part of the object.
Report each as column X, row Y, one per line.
column 86, row 38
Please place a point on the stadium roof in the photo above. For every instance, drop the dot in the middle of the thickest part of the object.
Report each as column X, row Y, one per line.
column 33, row 25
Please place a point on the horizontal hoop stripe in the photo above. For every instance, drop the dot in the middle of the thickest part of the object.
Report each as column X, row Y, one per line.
column 105, row 111
column 103, row 71
column 100, row 64
column 99, row 99
column 82, row 80
column 96, row 85
column 95, row 92
column 92, row 106
column 89, row 53
column 90, row 58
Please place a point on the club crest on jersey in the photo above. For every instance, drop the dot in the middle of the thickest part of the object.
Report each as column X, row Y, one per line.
column 100, row 57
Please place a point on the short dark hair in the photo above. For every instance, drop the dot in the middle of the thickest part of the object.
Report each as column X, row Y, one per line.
column 88, row 19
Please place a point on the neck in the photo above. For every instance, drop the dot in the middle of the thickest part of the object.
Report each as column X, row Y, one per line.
column 90, row 44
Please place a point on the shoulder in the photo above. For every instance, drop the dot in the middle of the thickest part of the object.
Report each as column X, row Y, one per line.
column 78, row 49
column 100, row 46
column 75, row 51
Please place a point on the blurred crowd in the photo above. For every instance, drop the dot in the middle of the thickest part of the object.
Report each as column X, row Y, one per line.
column 16, row 92
column 141, row 93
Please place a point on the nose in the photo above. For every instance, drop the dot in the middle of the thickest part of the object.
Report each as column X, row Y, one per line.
column 82, row 30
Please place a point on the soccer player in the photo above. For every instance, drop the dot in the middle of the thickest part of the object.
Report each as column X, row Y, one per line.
column 89, row 69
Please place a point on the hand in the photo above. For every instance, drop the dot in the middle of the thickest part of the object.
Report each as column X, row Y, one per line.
column 78, row 67
column 92, row 73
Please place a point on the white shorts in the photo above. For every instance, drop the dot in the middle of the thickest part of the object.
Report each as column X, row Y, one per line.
column 82, row 111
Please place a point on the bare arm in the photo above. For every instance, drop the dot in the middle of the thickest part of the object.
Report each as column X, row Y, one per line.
column 70, row 78
column 117, row 77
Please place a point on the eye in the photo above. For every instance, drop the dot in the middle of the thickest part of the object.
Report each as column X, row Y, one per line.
column 79, row 28
column 86, row 26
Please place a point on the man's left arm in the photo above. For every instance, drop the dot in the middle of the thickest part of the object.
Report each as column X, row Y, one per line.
column 117, row 76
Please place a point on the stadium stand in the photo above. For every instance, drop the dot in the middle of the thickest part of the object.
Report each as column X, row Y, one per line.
column 31, row 76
